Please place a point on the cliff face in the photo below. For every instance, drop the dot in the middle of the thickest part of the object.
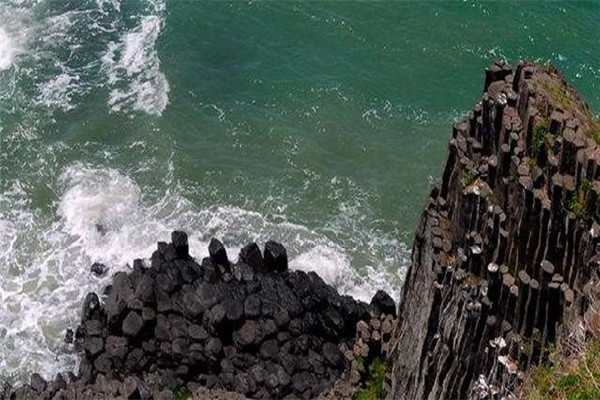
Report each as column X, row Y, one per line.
column 505, row 249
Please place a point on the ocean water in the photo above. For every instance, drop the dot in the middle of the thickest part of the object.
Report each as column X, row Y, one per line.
column 317, row 124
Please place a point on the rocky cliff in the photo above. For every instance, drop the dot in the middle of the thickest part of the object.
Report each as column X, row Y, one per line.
column 505, row 252
column 504, row 265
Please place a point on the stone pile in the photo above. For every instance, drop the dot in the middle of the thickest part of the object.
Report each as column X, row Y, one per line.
column 253, row 327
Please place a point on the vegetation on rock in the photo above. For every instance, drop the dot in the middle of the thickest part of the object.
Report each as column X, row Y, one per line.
column 374, row 384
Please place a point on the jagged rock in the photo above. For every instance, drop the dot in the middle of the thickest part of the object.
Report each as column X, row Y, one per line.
column 132, row 324
column 172, row 321
column 234, row 309
column 91, row 306
column 275, row 257
column 57, row 384
column 251, row 255
column 333, row 355
column 384, row 303
column 116, row 347
column 98, row 269
column 252, row 306
column 180, row 243
column 94, row 345
column 69, row 336
column 213, row 347
column 145, row 289
column 218, row 254
column 118, row 298
column 269, row 349
column 249, row 334
column 37, row 383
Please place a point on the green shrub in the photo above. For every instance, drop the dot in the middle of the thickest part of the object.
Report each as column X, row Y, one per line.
column 469, row 177
column 374, row 386
column 182, row 394
column 539, row 136
column 584, row 203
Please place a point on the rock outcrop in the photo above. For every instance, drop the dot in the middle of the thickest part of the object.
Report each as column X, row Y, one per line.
column 505, row 246
column 505, row 263
column 253, row 327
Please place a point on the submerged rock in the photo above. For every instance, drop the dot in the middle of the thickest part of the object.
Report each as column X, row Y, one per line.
column 98, row 269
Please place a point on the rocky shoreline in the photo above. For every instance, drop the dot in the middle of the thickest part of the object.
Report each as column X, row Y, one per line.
column 505, row 265
column 181, row 329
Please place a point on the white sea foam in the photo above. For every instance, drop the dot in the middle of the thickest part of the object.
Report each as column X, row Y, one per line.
column 8, row 50
column 103, row 216
column 57, row 50
column 133, row 70
column 58, row 91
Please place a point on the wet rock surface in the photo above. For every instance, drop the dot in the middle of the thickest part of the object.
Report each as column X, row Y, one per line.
column 253, row 328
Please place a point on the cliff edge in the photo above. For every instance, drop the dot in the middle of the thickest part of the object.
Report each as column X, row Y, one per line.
column 506, row 250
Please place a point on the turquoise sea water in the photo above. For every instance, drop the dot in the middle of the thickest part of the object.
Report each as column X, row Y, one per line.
column 317, row 124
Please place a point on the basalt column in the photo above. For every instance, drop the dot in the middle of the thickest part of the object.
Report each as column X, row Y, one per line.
column 504, row 247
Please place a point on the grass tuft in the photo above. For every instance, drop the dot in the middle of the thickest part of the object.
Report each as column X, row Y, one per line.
column 469, row 177
column 374, row 385
column 182, row 394
column 564, row 382
column 539, row 136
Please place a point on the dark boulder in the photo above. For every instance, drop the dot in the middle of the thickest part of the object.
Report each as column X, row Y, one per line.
column 190, row 271
column 198, row 333
column 218, row 254
column 252, row 256
column 145, row 289
column 180, row 242
column 163, row 301
column 38, row 383
column 93, row 345
column 234, row 309
column 384, row 303
column 98, row 269
column 93, row 327
column 69, row 336
column 244, row 384
column 214, row 318
column 275, row 257
column 214, row 347
column 169, row 254
column 162, row 328
column 116, row 347
column 252, row 306
column 57, row 384
column 333, row 355
column 103, row 363
column 120, row 295
column 244, row 272
column 211, row 272
column 269, row 349
column 193, row 307
column 249, row 334
column 91, row 307
column 132, row 324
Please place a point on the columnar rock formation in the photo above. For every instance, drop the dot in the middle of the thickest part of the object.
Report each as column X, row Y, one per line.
column 505, row 263
column 252, row 327
column 506, row 245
